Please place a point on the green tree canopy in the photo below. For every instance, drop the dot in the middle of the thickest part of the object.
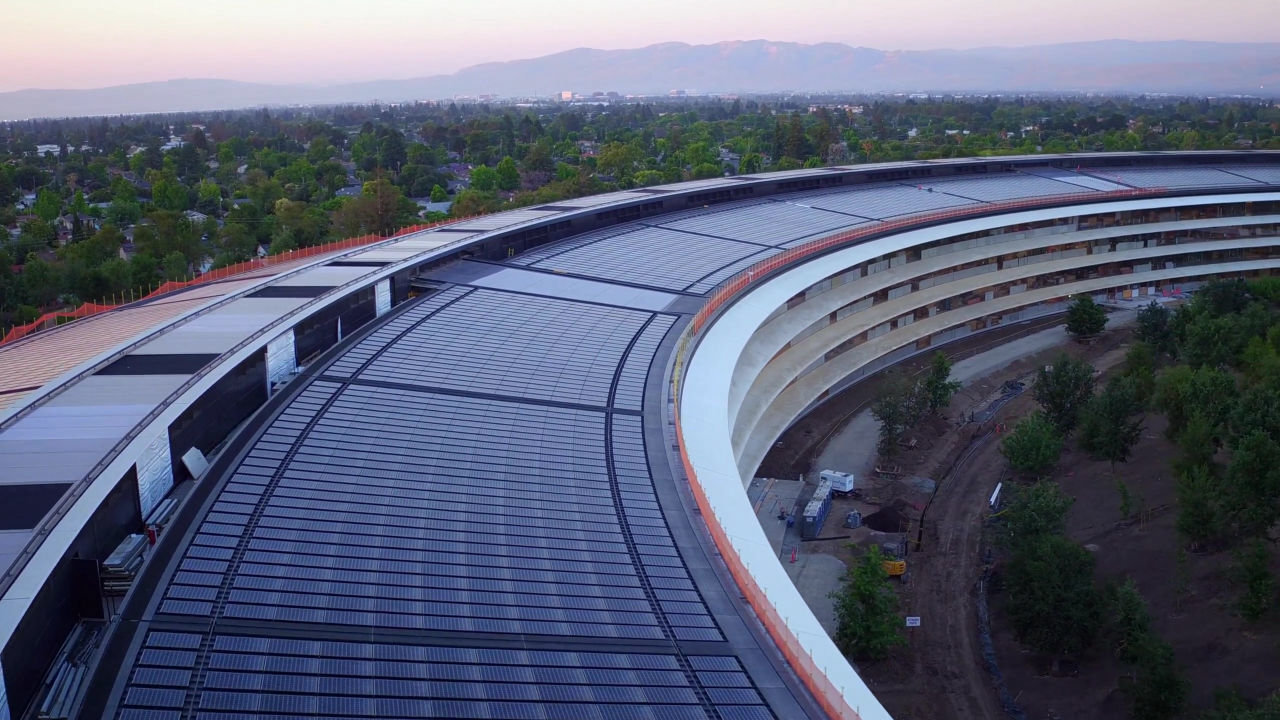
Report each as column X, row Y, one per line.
column 1085, row 317
column 1154, row 328
column 867, row 622
column 484, row 179
column 1108, row 428
column 1031, row 512
column 1063, row 390
column 1033, row 446
column 1054, row 606
column 938, row 385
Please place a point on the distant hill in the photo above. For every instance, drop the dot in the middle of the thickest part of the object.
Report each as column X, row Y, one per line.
column 744, row 67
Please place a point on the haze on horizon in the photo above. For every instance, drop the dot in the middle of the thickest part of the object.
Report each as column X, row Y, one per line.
column 62, row 44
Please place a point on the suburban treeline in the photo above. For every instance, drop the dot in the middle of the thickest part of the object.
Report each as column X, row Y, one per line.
column 1212, row 367
column 100, row 207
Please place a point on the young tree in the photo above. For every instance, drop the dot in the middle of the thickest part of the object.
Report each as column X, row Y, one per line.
column 938, row 386
column 1053, row 604
column 1085, row 317
column 1130, row 620
column 1155, row 328
column 1034, row 445
column 1033, row 512
column 1108, row 429
column 508, row 175
column 1182, row 392
column 1252, row 488
column 484, row 179
column 1252, row 570
column 1063, row 390
column 898, row 405
column 867, row 621
column 1158, row 690
column 439, row 194
column 1140, row 368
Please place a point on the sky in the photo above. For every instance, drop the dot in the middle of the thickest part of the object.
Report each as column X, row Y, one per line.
column 97, row 43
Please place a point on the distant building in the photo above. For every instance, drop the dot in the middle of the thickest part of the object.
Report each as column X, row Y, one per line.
column 195, row 216
column 566, row 95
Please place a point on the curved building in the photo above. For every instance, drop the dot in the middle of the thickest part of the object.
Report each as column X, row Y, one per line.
column 496, row 469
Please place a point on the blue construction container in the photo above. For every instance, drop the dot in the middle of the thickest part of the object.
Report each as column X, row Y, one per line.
column 815, row 513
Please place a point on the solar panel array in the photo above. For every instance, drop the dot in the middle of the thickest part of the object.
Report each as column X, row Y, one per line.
column 244, row 676
column 1173, row 177
column 878, row 202
column 995, row 188
column 535, row 348
column 650, row 256
column 768, row 222
column 415, row 490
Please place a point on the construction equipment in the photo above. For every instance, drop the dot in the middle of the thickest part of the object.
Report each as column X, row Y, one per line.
column 894, row 568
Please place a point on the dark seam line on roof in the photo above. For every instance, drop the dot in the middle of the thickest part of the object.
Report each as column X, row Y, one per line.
column 702, row 234
column 399, row 336
column 1078, row 188
column 28, row 388
column 435, row 390
column 607, row 281
column 827, row 210
column 567, row 241
column 1097, row 176
column 936, row 191
column 526, row 293
column 641, row 568
column 437, row 638
column 722, row 267
column 1245, row 177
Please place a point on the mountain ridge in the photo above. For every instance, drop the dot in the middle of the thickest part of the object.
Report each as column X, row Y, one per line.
column 737, row 66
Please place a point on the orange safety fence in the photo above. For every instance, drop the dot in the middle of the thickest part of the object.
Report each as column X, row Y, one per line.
column 57, row 317
column 831, row 698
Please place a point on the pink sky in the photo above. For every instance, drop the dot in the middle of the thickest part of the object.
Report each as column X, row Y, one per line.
column 95, row 43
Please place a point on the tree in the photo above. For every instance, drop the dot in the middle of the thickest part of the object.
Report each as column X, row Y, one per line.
column 1229, row 705
column 1252, row 570
column 1154, row 328
column 175, row 266
column 1034, row 445
column 439, row 194
column 1085, row 317
column 1158, row 690
column 1252, row 487
column 1182, row 391
column 1107, row 427
column 508, row 176
column 898, row 405
column 1062, row 391
column 1053, row 604
column 48, row 205
column 938, row 386
column 1201, row 516
column 1140, row 367
column 484, row 179
column 1032, row 512
column 867, row 621
column 1130, row 620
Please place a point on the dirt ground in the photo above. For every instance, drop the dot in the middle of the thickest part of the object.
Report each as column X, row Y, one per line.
column 939, row 673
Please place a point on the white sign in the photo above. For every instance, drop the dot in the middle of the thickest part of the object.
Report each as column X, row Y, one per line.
column 382, row 297
column 913, row 621
column 155, row 473
column 282, row 359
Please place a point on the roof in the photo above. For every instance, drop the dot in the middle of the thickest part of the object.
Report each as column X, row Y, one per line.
column 486, row 468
